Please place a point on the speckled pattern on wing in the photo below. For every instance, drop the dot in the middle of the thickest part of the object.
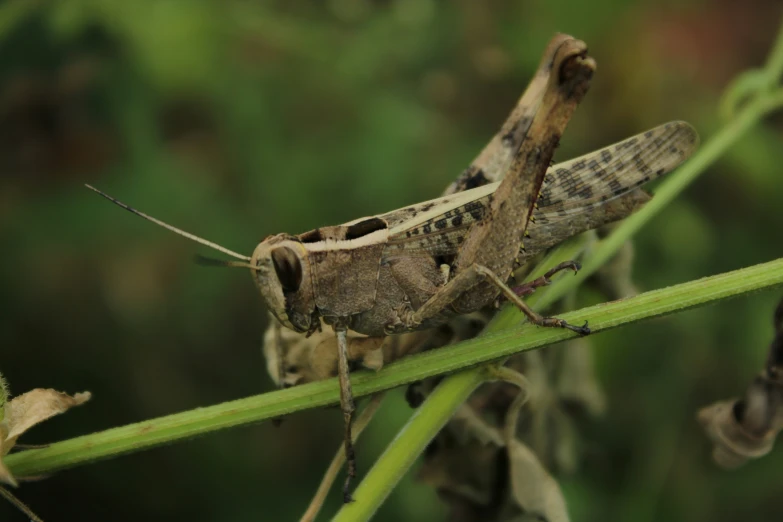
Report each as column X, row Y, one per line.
column 590, row 180
column 440, row 235
column 570, row 188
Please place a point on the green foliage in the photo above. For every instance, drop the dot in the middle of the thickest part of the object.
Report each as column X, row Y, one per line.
column 495, row 345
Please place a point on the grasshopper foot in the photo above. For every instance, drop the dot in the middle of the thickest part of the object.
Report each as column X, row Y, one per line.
column 532, row 316
column 581, row 330
column 560, row 323
column 565, row 265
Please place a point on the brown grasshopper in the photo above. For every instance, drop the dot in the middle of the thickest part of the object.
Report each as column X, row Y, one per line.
column 415, row 268
column 294, row 358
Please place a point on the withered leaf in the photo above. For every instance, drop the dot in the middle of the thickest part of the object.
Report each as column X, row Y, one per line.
column 746, row 428
column 533, row 488
column 734, row 444
column 27, row 410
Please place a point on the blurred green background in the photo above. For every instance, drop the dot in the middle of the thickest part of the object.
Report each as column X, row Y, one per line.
column 236, row 119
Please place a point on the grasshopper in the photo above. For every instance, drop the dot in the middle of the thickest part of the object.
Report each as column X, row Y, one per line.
column 415, row 268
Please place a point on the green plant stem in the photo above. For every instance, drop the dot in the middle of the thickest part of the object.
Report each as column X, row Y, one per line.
column 417, row 433
column 402, row 451
column 755, row 82
column 18, row 504
column 487, row 348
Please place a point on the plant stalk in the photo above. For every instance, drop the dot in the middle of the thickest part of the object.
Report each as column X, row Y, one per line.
column 475, row 352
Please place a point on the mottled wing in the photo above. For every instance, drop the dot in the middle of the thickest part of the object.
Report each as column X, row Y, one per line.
column 583, row 183
column 414, row 215
column 438, row 227
column 442, row 228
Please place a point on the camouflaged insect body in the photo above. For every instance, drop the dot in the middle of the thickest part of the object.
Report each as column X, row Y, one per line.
column 363, row 271
column 418, row 267
column 564, row 209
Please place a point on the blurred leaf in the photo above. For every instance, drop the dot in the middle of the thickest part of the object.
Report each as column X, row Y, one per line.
column 25, row 411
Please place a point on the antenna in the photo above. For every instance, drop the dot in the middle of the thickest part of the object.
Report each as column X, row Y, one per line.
column 169, row 227
column 208, row 261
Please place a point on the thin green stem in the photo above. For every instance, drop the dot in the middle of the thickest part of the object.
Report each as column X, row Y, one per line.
column 506, row 374
column 361, row 422
column 417, row 433
column 18, row 504
column 439, row 407
column 475, row 352
column 754, row 83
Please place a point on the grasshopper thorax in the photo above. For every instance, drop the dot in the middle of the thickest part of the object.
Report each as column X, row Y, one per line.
column 281, row 271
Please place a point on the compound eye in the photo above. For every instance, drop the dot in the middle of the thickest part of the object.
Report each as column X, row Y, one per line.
column 288, row 268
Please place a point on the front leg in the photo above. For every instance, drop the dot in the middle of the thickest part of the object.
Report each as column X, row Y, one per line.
column 468, row 279
column 346, row 405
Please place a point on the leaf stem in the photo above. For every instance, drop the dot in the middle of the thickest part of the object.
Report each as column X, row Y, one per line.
column 487, row 348
column 425, row 423
column 18, row 504
column 439, row 407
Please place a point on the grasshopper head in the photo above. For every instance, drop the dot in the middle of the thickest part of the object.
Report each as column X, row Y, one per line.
column 281, row 272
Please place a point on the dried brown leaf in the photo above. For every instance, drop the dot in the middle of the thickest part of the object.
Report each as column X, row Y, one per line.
column 739, row 439
column 533, row 488
column 746, row 428
column 732, row 449
column 27, row 410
